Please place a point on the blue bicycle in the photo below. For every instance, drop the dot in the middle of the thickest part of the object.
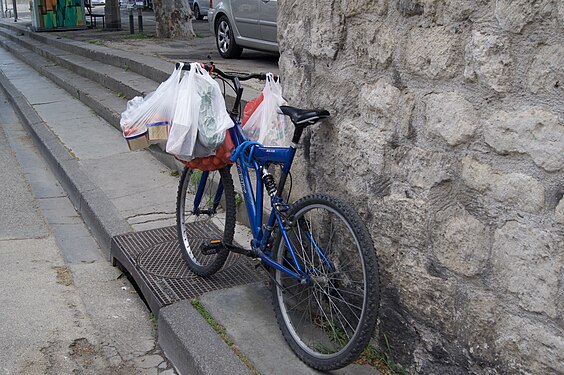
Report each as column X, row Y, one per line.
column 317, row 250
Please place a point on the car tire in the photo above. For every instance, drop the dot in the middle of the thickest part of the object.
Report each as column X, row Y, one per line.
column 197, row 13
column 225, row 40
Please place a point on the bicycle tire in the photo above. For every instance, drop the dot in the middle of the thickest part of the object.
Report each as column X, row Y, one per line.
column 223, row 218
column 322, row 322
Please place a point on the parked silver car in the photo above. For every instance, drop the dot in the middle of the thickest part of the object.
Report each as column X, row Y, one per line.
column 239, row 24
column 200, row 7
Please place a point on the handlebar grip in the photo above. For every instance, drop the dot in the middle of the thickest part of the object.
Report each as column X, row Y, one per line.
column 187, row 66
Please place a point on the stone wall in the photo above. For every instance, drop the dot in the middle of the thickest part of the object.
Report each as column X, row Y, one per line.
column 448, row 136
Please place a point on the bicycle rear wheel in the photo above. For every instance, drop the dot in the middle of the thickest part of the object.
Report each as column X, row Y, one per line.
column 328, row 321
column 212, row 219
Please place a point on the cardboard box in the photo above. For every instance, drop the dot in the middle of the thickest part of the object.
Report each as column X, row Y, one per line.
column 138, row 141
column 159, row 131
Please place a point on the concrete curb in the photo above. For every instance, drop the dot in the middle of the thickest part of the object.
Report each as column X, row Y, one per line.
column 91, row 202
column 185, row 335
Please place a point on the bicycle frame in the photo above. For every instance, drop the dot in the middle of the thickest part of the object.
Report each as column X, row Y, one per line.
column 264, row 156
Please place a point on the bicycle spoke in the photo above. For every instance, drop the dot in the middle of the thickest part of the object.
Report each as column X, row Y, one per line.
column 221, row 219
column 341, row 314
column 348, row 304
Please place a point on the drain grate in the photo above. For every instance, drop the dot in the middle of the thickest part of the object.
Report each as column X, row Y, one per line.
column 154, row 259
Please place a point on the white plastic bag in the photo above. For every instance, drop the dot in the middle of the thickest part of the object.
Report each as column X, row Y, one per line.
column 267, row 125
column 213, row 119
column 154, row 112
column 200, row 119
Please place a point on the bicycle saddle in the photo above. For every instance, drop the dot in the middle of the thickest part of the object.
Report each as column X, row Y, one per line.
column 304, row 117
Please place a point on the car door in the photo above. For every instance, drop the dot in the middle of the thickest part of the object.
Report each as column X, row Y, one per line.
column 246, row 14
column 268, row 20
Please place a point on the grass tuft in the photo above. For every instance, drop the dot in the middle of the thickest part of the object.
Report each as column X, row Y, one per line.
column 222, row 332
column 138, row 36
column 383, row 361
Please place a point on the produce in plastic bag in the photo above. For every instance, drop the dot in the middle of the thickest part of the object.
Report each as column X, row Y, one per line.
column 250, row 108
column 266, row 125
column 207, row 133
column 217, row 161
column 200, row 119
column 152, row 115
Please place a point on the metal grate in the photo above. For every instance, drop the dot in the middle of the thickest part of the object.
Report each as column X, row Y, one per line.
column 154, row 259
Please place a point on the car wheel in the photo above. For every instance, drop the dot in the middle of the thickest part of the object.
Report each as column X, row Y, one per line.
column 197, row 13
column 225, row 39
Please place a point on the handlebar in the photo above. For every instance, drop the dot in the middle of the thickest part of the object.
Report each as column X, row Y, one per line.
column 236, row 79
column 211, row 68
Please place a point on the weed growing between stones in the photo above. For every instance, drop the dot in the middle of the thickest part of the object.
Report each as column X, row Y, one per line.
column 382, row 360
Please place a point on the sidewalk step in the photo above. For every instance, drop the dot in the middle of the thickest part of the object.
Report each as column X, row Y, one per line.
column 120, row 80
column 104, row 102
column 148, row 66
column 135, row 183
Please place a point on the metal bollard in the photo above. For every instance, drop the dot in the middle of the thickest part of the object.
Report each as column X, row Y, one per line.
column 140, row 19
column 131, row 25
column 15, row 11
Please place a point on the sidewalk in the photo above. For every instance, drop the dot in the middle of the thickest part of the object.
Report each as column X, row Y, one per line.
column 121, row 193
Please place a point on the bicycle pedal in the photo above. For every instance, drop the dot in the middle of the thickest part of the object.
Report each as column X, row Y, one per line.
column 213, row 247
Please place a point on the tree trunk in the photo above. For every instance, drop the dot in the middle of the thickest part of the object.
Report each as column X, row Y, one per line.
column 174, row 19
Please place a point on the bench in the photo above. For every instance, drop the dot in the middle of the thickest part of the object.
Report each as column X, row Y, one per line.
column 93, row 16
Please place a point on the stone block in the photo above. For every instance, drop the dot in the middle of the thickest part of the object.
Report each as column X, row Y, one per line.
column 477, row 326
column 410, row 8
column 488, row 61
column 364, row 154
column 401, row 219
column 427, row 298
column 433, row 52
column 561, row 13
column 559, row 212
column 546, row 74
column 517, row 189
column 513, row 15
column 386, row 109
column 425, row 169
column 313, row 30
column 447, row 12
column 327, row 30
column 451, row 117
column 534, row 347
column 527, row 263
column 462, row 244
column 365, row 7
column 373, row 40
column 533, row 131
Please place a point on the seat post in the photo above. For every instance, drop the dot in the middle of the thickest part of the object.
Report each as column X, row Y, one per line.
column 297, row 134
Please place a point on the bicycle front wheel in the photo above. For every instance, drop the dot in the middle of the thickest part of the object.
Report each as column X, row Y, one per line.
column 211, row 216
column 327, row 321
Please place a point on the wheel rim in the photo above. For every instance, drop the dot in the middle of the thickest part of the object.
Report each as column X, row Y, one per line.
column 323, row 317
column 187, row 214
column 223, row 36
